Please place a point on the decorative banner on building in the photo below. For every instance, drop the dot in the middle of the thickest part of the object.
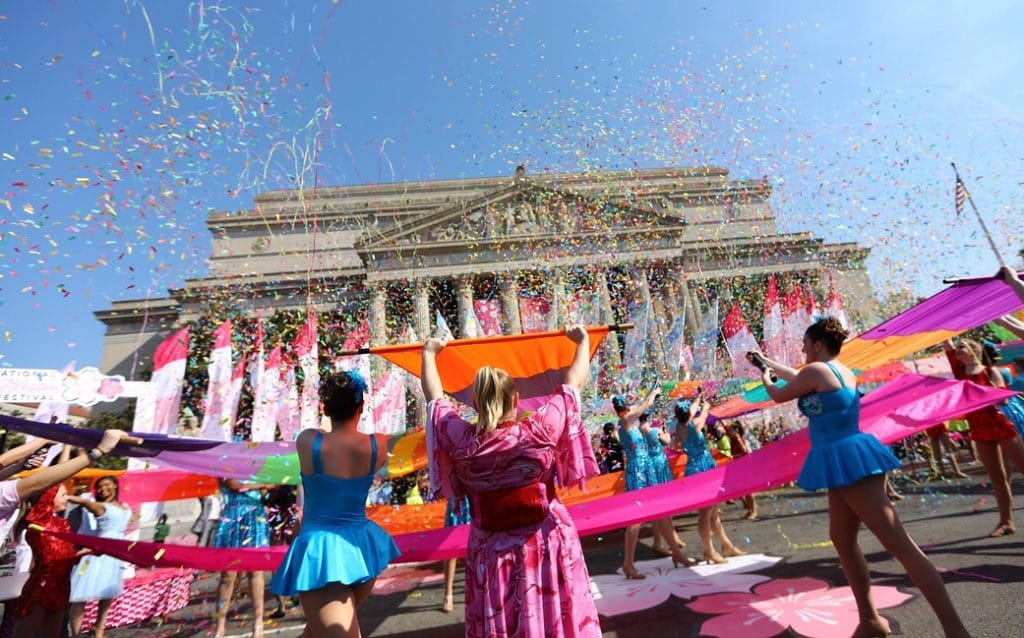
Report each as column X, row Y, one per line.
column 794, row 324
column 773, row 337
column 288, row 415
column 533, row 313
column 217, row 422
column 834, row 304
column 739, row 340
column 388, row 402
column 705, row 345
column 488, row 313
column 308, row 352
column 266, row 394
column 168, row 379
column 87, row 386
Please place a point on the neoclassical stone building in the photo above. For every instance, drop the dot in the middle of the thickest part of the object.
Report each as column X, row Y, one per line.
column 401, row 252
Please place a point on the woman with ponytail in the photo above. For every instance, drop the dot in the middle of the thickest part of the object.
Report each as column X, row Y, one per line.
column 525, row 574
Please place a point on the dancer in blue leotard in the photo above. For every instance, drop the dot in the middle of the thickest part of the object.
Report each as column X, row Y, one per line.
column 852, row 466
column 336, row 557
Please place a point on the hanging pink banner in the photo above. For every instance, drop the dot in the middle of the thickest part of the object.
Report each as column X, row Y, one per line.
column 533, row 313
column 488, row 314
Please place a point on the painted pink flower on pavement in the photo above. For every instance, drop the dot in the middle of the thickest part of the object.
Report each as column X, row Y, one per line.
column 807, row 605
column 396, row 579
column 614, row 594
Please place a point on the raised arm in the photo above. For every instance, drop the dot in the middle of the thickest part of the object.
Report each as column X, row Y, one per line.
column 430, row 378
column 22, row 452
column 804, row 382
column 44, row 478
column 784, row 372
column 579, row 370
column 95, row 508
column 1011, row 323
column 1013, row 281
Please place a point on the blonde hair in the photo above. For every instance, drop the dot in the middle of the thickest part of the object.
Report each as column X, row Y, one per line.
column 493, row 395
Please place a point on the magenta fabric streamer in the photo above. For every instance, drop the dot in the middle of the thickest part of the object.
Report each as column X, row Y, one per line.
column 962, row 306
column 894, row 411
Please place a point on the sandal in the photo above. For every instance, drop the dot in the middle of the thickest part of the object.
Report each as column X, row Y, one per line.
column 632, row 574
column 1004, row 529
column 448, row 606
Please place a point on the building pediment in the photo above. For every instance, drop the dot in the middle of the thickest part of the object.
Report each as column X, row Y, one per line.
column 517, row 212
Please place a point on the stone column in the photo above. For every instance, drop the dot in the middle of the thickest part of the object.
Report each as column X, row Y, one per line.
column 465, row 304
column 611, row 342
column 510, row 303
column 421, row 308
column 655, row 329
column 378, row 316
column 558, row 317
column 693, row 314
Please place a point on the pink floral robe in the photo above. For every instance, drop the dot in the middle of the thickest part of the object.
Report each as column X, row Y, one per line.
column 531, row 581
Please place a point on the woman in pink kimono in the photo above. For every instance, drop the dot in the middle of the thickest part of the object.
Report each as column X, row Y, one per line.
column 525, row 574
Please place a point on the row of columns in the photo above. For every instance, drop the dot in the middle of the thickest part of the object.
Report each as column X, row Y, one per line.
column 676, row 295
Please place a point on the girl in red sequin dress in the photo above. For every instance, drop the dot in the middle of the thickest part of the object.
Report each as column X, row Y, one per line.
column 44, row 599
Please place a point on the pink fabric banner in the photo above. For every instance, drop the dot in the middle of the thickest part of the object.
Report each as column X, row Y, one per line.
column 217, row 423
column 488, row 313
column 739, row 340
column 774, row 338
column 288, row 403
column 533, row 313
column 896, row 410
column 266, row 392
column 308, row 352
column 168, row 376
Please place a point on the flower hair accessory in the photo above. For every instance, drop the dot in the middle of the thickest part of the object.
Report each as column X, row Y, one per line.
column 357, row 382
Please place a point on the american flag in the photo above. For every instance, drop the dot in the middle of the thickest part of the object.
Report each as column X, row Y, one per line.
column 961, row 195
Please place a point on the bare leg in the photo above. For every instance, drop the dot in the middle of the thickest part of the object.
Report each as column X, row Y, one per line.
column 870, row 505
column 992, row 459
column 728, row 549
column 844, row 524
column 224, row 592
column 1013, row 453
column 102, row 609
column 362, row 592
column 628, row 568
column 938, row 463
column 449, row 586
column 256, row 586
column 663, row 528
column 947, row 443
column 331, row 612
column 39, row 623
column 77, row 614
column 751, row 506
column 704, row 530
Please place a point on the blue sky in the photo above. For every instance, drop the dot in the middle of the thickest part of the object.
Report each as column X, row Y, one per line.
column 126, row 123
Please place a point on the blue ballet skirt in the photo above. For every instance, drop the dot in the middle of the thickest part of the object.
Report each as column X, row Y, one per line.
column 337, row 543
column 635, row 448
column 658, row 469
column 840, row 453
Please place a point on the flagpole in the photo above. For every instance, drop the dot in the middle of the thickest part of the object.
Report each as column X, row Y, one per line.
column 988, row 235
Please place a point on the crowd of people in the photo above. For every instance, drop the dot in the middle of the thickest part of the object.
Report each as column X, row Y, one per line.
column 525, row 569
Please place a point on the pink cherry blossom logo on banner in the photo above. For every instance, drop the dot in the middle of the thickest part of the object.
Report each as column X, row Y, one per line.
column 614, row 594
column 807, row 605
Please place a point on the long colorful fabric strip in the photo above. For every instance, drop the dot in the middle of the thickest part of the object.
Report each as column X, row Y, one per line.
column 892, row 412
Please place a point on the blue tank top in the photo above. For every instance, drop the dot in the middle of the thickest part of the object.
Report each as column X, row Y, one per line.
column 331, row 501
column 832, row 415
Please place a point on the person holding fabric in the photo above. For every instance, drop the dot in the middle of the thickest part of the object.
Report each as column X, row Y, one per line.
column 995, row 438
column 334, row 560
column 99, row 577
column 691, row 417
column 525, row 572
column 852, row 466
column 44, row 598
column 659, row 471
column 243, row 524
column 638, row 475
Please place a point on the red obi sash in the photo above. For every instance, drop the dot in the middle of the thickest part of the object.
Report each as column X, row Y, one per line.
column 511, row 508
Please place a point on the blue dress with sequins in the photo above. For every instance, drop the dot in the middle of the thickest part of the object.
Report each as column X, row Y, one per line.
column 840, row 453
column 635, row 448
